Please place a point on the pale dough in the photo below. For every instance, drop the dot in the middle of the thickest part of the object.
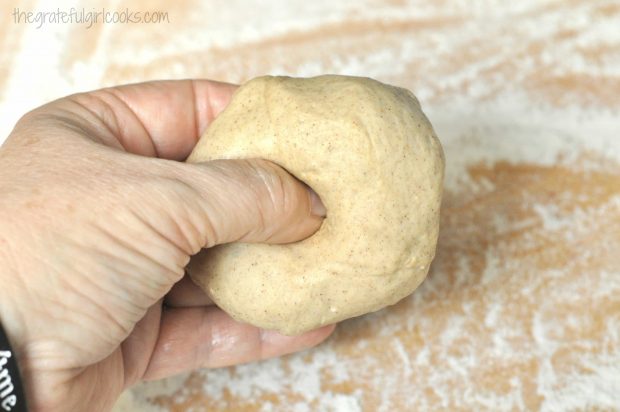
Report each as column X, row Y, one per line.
column 372, row 156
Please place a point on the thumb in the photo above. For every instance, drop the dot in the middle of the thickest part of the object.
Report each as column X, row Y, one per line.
column 246, row 200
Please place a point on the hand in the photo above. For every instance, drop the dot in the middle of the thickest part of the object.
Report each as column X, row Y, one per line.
column 98, row 219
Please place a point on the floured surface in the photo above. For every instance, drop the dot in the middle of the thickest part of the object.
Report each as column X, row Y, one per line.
column 522, row 307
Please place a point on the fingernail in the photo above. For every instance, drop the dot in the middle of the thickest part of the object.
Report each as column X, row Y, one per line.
column 316, row 206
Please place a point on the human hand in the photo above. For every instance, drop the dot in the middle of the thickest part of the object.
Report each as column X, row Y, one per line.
column 98, row 218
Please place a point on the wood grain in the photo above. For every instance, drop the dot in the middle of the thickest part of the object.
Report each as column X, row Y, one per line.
column 521, row 310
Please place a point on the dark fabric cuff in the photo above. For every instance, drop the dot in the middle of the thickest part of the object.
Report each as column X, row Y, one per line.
column 11, row 390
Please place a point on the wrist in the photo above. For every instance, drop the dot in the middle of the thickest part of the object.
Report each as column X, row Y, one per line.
column 11, row 390
column 12, row 332
column 10, row 282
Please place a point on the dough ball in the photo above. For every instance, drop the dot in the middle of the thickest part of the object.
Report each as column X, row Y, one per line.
column 372, row 156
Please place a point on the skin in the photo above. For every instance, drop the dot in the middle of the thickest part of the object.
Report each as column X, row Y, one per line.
column 99, row 217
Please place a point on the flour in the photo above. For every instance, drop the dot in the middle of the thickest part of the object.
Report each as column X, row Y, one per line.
column 489, row 133
column 520, row 311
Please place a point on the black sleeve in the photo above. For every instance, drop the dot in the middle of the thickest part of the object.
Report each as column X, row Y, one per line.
column 11, row 390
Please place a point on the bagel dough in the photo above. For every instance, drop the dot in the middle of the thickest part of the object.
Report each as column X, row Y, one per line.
column 371, row 155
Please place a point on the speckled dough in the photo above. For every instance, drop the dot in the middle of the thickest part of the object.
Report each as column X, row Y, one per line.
column 370, row 153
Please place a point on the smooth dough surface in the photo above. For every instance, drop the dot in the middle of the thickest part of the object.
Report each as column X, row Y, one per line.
column 372, row 156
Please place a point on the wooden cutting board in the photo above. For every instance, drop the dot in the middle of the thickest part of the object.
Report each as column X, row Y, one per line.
column 521, row 309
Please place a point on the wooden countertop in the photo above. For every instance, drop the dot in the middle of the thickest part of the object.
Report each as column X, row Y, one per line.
column 521, row 310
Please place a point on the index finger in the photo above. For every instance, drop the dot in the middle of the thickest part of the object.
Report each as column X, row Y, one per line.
column 159, row 118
